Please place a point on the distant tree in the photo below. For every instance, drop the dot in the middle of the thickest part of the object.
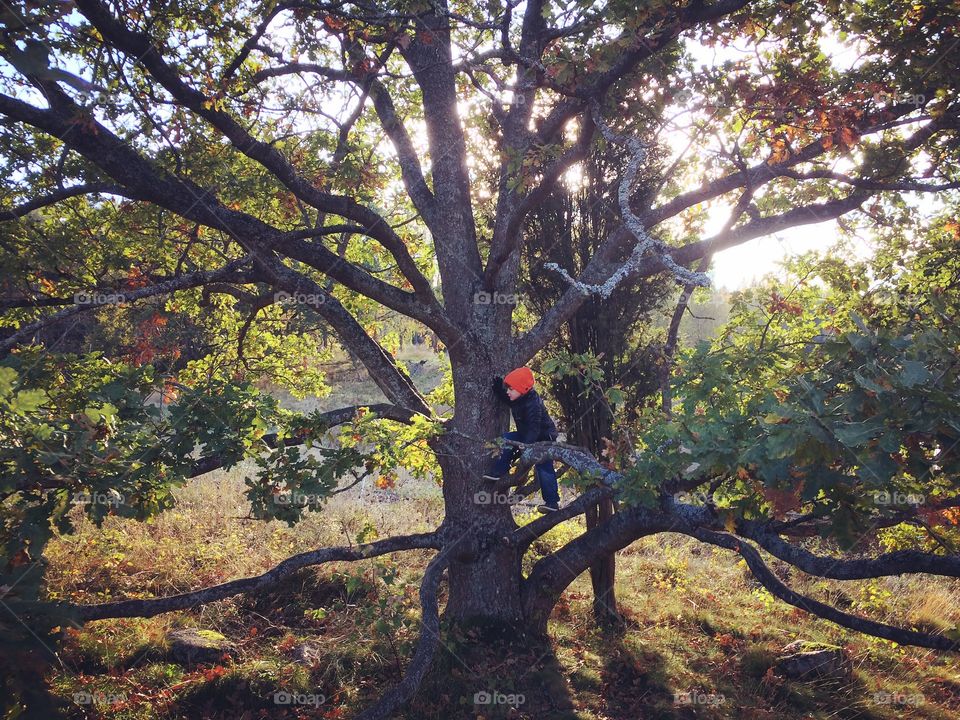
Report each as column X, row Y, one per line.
column 603, row 362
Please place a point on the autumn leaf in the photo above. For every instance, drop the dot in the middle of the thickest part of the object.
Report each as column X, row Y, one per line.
column 333, row 23
column 848, row 137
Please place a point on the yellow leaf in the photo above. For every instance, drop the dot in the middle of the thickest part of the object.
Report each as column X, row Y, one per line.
column 730, row 522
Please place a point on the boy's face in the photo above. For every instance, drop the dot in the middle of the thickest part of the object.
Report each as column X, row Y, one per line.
column 512, row 394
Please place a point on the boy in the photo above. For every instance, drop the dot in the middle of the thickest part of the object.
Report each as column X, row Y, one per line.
column 533, row 423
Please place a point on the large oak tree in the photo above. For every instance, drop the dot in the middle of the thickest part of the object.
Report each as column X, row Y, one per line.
column 340, row 153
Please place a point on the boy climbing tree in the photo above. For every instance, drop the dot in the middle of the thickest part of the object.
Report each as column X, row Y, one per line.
column 533, row 424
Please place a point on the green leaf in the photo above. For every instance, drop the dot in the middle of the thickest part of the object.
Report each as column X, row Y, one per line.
column 28, row 401
column 856, row 433
column 914, row 373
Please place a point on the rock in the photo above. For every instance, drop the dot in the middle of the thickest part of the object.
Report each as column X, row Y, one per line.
column 307, row 653
column 802, row 660
column 191, row 646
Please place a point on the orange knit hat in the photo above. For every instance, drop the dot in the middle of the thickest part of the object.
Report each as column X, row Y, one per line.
column 520, row 379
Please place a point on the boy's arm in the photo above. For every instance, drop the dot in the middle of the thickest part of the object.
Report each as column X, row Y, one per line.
column 499, row 391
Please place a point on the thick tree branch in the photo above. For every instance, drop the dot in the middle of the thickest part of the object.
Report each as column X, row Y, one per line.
column 770, row 581
column 458, row 256
column 762, row 173
column 327, row 419
column 410, row 170
column 145, row 52
column 155, row 606
column 426, row 646
column 228, row 273
column 901, row 562
column 868, row 184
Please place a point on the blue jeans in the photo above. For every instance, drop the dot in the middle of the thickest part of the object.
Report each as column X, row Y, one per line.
column 545, row 472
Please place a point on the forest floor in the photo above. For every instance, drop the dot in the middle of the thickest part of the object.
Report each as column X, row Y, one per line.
column 700, row 637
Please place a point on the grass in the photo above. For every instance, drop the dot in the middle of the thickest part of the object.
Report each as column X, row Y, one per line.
column 695, row 624
column 699, row 638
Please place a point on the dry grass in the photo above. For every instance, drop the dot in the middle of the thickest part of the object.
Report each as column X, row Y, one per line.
column 695, row 623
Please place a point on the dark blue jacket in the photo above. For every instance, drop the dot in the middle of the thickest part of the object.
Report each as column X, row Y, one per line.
column 529, row 413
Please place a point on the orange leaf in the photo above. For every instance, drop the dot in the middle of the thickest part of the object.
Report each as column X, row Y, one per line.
column 849, row 137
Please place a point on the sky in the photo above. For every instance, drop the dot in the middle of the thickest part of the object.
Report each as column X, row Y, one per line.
column 741, row 266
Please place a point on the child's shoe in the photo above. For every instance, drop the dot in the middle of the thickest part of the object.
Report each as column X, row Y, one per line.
column 548, row 507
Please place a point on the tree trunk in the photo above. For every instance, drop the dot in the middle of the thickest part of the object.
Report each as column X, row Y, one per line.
column 603, row 571
column 592, row 425
column 485, row 573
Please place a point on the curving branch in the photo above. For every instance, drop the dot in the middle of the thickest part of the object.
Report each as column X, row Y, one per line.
column 327, row 419
column 762, row 173
column 15, row 213
column 144, row 51
column 900, row 562
column 229, row 273
column 426, row 646
column 871, row 184
column 778, row 589
column 155, row 606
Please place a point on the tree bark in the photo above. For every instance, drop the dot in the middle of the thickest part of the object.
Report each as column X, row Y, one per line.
column 484, row 574
column 603, row 573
